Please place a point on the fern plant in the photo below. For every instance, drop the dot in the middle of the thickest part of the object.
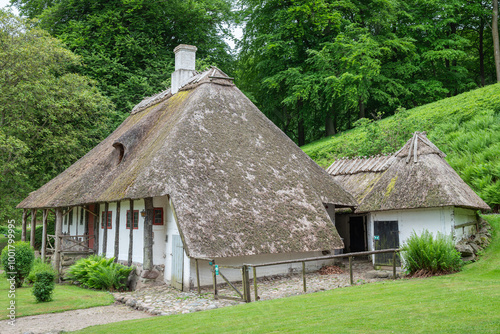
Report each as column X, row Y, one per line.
column 97, row 272
column 430, row 254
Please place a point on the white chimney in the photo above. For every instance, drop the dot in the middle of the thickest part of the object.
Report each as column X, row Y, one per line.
column 185, row 57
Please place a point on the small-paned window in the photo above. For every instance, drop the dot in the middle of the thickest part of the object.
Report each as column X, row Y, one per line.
column 136, row 219
column 157, row 216
column 108, row 218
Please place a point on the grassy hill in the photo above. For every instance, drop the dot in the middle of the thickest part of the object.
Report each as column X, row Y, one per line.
column 466, row 302
column 466, row 127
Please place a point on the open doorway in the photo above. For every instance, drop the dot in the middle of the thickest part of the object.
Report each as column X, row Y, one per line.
column 357, row 234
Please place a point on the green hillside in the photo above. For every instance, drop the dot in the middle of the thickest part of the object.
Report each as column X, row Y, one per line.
column 466, row 127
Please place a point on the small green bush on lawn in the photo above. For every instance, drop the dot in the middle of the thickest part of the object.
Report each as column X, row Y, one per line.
column 38, row 267
column 44, row 286
column 18, row 259
column 97, row 272
column 429, row 255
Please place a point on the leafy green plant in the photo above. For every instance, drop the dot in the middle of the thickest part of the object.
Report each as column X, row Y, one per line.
column 38, row 267
column 38, row 234
column 97, row 272
column 44, row 286
column 428, row 255
column 17, row 258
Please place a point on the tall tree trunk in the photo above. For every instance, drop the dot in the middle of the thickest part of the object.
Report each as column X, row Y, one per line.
column 481, row 53
column 329, row 125
column 361, row 106
column 494, row 32
column 300, row 125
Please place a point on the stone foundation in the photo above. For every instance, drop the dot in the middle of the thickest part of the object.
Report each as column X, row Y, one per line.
column 470, row 246
column 140, row 278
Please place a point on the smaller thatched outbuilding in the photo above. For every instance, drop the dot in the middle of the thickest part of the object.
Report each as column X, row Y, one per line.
column 412, row 190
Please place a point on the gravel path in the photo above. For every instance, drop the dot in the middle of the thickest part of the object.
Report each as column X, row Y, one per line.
column 71, row 320
column 164, row 300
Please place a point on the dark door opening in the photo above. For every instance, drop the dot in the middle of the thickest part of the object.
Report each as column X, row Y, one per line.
column 385, row 235
column 357, row 234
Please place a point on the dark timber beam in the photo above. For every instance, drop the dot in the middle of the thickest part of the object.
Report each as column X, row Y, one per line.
column 97, row 207
column 105, row 232
column 148, row 234
column 131, row 235
column 25, row 218
column 57, row 246
column 33, row 227
column 44, row 234
column 117, row 231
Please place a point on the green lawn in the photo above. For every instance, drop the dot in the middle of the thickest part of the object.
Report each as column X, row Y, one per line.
column 467, row 302
column 66, row 297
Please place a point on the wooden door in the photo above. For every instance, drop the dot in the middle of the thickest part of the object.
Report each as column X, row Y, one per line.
column 177, row 262
column 386, row 235
column 90, row 228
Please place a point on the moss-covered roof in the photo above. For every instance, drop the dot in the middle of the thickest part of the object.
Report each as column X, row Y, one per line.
column 240, row 186
column 417, row 176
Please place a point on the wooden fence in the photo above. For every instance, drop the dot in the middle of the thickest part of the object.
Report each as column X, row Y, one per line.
column 245, row 294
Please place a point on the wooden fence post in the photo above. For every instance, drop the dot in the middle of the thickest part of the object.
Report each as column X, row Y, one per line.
column 394, row 265
column 304, row 275
column 254, row 270
column 215, row 280
column 350, row 269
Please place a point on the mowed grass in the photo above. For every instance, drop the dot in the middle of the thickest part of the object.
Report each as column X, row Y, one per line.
column 66, row 297
column 466, row 302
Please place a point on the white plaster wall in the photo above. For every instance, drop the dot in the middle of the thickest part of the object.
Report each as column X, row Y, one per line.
column 235, row 275
column 463, row 216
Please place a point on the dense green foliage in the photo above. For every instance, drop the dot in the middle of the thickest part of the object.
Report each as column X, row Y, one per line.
column 44, row 286
column 426, row 254
column 127, row 45
column 97, row 272
column 17, row 259
column 39, row 267
column 465, row 127
column 315, row 67
column 49, row 116
column 466, row 302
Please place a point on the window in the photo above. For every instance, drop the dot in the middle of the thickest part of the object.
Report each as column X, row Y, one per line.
column 136, row 219
column 157, row 216
column 109, row 216
column 70, row 214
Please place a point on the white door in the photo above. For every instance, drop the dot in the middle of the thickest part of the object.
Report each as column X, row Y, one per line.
column 177, row 262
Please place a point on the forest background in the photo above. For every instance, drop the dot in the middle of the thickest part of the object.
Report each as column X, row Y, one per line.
column 71, row 70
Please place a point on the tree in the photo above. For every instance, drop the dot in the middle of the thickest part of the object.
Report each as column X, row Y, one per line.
column 496, row 44
column 49, row 116
column 127, row 45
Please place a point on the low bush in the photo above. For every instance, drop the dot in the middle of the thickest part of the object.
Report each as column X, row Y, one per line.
column 429, row 255
column 97, row 272
column 38, row 267
column 44, row 286
column 18, row 259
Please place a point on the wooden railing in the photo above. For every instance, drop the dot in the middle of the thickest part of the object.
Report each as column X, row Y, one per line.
column 71, row 243
column 245, row 294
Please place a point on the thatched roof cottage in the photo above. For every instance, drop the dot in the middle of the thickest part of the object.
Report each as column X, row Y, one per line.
column 411, row 190
column 195, row 172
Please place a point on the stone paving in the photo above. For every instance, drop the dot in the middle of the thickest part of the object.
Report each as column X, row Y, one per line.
column 165, row 300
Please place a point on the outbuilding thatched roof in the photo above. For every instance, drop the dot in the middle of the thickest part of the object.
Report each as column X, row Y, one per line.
column 240, row 186
column 417, row 176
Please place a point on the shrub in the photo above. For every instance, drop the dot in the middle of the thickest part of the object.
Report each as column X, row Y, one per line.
column 18, row 258
column 97, row 272
column 44, row 286
column 38, row 267
column 427, row 255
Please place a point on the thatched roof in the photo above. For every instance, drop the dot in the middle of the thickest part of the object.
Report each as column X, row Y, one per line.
column 240, row 186
column 417, row 176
